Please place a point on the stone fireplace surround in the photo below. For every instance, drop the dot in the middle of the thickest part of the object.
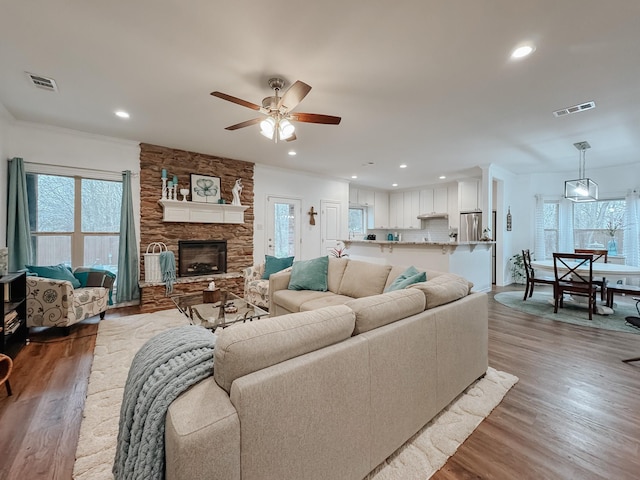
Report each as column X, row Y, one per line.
column 239, row 237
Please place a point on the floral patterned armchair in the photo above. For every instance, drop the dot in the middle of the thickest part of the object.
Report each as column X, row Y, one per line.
column 55, row 303
column 256, row 289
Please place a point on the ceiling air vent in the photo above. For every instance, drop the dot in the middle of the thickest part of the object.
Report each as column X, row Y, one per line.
column 43, row 82
column 575, row 109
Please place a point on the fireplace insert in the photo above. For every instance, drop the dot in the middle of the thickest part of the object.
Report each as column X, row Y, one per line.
column 201, row 257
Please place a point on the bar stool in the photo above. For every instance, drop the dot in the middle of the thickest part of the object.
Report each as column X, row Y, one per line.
column 6, row 364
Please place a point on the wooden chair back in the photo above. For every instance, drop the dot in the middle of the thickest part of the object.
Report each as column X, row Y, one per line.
column 597, row 254
column 574, row 269
column 528, row 269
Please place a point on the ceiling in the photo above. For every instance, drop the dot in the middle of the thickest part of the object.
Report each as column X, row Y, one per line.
column 427, row 83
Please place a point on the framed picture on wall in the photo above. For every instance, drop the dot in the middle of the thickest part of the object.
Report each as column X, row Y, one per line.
column 204, row 188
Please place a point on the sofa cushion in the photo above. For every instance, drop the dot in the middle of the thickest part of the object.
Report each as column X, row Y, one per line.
column 310, row 274
column 335, row 273
column 291, row 300
column 253, row 346
column 275, row 264
column 56, row 272
column 444, row 288
column 363, row 279
column 410, row 276
column 378, row 310
column 325, row 301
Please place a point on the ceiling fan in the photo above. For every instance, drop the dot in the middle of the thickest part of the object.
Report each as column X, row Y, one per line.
column 278, row 110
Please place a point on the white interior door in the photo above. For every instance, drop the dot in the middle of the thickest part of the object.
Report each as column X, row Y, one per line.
column 283, row 227
column 330, row 220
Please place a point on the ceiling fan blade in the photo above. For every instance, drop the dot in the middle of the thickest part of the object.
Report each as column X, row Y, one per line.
column 315, row 118
column 294, row 95
column 291, row 138
column 248, row 123
column 237, row 100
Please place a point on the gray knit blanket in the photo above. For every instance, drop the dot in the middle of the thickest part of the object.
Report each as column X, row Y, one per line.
column 165, row 366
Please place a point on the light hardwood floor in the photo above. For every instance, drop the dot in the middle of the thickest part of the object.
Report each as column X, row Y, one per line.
column 574, row 414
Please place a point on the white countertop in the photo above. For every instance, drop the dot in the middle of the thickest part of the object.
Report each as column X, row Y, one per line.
column 393, row 242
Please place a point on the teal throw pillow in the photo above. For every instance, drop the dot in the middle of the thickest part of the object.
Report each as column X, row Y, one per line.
column 57, row 272
column 406, row 278
column 310, row 274
column 275, row 264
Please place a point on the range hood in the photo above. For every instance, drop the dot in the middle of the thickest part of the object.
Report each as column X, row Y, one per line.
column 427, row 216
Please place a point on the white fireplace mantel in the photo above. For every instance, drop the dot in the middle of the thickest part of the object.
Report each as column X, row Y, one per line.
column 195, row 212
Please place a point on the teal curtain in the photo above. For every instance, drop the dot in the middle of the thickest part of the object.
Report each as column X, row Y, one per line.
column 128, row 288
column 18, row 231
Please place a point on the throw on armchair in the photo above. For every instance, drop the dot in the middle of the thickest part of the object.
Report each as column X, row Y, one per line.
column 53, row 302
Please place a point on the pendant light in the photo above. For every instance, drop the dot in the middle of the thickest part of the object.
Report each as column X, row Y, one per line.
column 581, row 189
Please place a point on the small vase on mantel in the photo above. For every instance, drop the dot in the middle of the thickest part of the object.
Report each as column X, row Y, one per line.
column 612, row 246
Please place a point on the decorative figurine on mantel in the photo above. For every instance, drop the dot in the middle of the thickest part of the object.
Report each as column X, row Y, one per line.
column 236, row 191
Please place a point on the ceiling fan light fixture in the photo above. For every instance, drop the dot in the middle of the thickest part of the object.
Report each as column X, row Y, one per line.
column 285, row 129
column 268, row 127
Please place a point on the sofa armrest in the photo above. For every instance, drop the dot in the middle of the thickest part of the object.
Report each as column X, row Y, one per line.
column 36, row 286
column 49, row 302
column 202, row 434
column 278, row 281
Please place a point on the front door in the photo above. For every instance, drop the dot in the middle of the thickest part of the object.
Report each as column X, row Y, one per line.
column 283, row 227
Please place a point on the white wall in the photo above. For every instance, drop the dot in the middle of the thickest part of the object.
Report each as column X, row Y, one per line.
column 310, row 189
column 47, row 145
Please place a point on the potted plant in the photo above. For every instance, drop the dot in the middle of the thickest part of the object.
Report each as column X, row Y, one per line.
column 453, row 236
column 517, row 268
column 612, row 227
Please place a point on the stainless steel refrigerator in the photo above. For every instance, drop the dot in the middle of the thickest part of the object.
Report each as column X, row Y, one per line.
column 470, row 226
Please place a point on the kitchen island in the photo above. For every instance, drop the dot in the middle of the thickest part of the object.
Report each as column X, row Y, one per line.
column 471, row 260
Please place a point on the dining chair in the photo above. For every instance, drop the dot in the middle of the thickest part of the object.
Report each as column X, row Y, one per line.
column 531, row 276
column 574, row 275
column 598, row 255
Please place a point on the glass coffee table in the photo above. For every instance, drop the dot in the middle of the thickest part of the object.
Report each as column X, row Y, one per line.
column 228, row 310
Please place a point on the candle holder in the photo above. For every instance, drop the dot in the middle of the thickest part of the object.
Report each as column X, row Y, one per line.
column 164, row 189
column 184, row 192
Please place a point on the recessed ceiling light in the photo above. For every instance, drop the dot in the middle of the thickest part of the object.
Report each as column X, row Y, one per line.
column 354, row 176
column 442, row 177
column 523, row 51
column 292, row 153
column 394, row 184
column 122, row 114
column 404, row 165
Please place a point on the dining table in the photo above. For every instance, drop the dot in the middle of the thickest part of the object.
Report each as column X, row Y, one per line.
column 599, row 269
column 612, row 271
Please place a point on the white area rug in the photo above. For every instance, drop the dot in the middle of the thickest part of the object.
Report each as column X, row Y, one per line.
column 120, row 338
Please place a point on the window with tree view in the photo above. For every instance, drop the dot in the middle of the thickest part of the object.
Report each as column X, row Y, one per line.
column 356, row 221
column 598, row 224
column 550, row 228
column 74, row 220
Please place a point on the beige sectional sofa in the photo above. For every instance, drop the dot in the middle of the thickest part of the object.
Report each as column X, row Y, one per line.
column 329, row 392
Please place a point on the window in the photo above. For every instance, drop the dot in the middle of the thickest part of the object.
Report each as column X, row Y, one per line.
column 595, row 224
column 74, row 220
column 550, row 228
column 356, row 221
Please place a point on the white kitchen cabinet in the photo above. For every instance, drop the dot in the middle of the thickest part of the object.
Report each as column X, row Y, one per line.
column 396, row 210
column 361, row 196
column 411, row 209
column 452, row 208
column 434, row 200
column 441, row 200
column 353, row 195
column 426, row 201
column 469, row 195
column 366, row 197
column 378, row 216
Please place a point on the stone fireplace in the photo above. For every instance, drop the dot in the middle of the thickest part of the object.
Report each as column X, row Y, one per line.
column 201, row 257
column 237, row 237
